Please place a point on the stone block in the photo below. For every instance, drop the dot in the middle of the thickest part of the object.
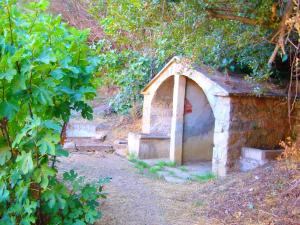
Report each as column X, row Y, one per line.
column 148, row 146
column 134, row 143
column 80, row 130
column 259, row 154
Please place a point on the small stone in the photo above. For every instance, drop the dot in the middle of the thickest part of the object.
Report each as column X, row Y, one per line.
column 172, row 179
column 250, row 205
column 296, row 211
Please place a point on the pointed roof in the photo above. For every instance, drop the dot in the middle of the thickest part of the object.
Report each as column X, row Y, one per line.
column 234, row 84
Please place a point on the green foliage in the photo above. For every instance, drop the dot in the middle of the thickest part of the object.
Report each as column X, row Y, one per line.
column 203, row 177
column 138, row 164
column 146, row 33
column 144, row 167
column 128, row 70
column 46, row 70
column 164, row 28
column 183, row 168
column 166, row 164
column 75, row 205
column 159, row 166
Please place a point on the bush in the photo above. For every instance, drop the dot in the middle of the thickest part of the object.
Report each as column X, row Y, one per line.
column 290, row 154
column 128, row 70
column 46, row 70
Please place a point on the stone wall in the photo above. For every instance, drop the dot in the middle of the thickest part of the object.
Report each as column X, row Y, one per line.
column 146, row 146
column 257, row 123
column 162, row 108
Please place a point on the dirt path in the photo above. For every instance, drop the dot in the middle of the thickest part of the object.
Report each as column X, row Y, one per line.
column 133, row 198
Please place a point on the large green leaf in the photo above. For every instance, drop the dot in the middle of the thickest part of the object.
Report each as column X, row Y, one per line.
column 5, row 155
column 42, row 175
column 46, row 57
column 4, row 193
column 42, row 95
column 8, row 74
column 57, row 74
column 47, row 145
column 8, row 109
column 26, row 131
column 25, row 161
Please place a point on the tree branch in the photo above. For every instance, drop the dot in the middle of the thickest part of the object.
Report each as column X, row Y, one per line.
column 245, row 20
column 281, row 33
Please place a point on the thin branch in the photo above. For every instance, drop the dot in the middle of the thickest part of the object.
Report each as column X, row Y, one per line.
column 4, row 128
column 10, row 25
column 62, row 141
column 281, row 33
column 244, row 20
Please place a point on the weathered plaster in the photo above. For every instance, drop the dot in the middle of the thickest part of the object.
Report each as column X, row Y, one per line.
column 220, row 107
column 177, row 119
column 199, row 123
column 162, row 108
column 146, row 146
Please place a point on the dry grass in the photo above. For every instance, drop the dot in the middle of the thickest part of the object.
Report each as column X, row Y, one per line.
column 268, row 195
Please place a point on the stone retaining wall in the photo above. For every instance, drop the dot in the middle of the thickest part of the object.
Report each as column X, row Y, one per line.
column 257, row 123
column 295, row 118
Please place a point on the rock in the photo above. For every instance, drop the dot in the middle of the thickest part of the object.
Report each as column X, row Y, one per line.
column 252, row 158
column 101, row 136
column 171, row 178
column 101, row 127
column 121, row 142
column 88, row 144
column 69, row 145
column 123, row 152
column 178, row 173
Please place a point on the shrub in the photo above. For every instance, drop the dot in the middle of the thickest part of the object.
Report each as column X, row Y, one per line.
column 46, row 70
column 290, row 154
column 128, row 70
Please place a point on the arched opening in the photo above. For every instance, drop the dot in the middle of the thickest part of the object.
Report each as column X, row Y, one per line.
column 162, row 108
column 199, row 122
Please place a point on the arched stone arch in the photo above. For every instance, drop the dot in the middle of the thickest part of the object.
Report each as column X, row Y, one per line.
column 217, row 98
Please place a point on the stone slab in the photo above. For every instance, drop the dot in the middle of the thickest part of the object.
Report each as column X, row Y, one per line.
column 152, row 162
column 247, row 164
column 148, row 147
column 259, row 154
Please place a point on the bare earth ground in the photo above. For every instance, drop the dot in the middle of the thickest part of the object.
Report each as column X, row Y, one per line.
column 133, row 198
column 268, row 195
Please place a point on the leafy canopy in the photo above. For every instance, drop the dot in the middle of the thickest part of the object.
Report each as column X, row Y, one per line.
column 235, row 35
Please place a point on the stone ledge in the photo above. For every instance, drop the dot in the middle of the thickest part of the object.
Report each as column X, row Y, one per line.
column 259, row 154
column 147, row 146
column 152, row 136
